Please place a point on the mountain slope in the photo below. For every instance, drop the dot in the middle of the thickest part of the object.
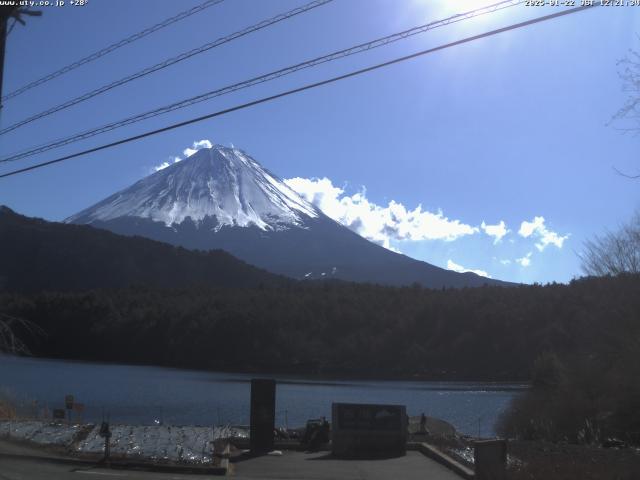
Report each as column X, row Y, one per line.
column 215, row 182
column 220, row 198
column 40, row 255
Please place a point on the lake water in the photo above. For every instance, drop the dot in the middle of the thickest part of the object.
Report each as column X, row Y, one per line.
column 144, row 395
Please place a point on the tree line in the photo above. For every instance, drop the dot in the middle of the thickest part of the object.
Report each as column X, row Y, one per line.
column 488, row 333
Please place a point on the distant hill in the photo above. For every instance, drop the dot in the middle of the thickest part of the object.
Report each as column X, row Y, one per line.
column 39, row 255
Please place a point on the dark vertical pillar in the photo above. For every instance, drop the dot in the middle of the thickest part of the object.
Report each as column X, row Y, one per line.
column 491, row 459
column 263, row 414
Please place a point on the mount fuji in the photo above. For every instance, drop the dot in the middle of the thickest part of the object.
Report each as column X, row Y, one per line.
column 220, row 197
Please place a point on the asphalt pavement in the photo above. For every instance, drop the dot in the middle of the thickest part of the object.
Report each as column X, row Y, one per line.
column 40, row 465
column 320, row 466
column 12, row 469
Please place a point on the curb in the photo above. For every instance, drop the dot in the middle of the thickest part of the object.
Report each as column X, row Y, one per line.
column 49, row 459
column 443, row 459
column 124, row 465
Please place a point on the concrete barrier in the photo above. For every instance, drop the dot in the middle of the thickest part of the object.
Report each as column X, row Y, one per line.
column 365, row 430
column 442, row 458
column 490, row 459
column 263, row 414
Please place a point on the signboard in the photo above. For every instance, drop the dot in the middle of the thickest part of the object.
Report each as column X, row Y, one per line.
column 369, row 417
column 68, row 402
column 263, row 414
column 59, row 413
column 368, row 430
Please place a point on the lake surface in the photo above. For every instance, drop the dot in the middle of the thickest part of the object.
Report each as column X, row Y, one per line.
column 144, row 395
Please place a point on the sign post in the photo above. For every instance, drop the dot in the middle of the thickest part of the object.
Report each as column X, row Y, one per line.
column 68, row 404
column 105, row 432
column 79, row 409
column 59, row 414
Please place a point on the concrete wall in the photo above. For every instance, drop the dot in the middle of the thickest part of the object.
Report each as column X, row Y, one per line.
column 490, row 459
column 365, row 430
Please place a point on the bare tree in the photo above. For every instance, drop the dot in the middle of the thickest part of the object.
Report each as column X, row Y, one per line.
column 614, row 252
column 9, row 342
column 628, row 117
column 629, row 72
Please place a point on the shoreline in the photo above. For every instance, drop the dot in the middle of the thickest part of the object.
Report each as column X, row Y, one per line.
column 311, row 377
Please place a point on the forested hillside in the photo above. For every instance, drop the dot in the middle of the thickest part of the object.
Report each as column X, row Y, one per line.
column 347, row 329
column 38, row 255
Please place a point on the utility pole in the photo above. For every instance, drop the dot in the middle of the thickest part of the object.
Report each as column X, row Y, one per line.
column 7, row 12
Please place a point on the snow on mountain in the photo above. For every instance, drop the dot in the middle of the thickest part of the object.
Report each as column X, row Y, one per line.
column 218, row 181
column 221, row 198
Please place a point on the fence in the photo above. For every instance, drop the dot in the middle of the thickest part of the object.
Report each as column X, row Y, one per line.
column 25, row 408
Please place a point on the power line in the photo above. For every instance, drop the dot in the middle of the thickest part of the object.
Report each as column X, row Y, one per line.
column 303, row 88
column 363, row 47
column 171, row 61
column 112, row 47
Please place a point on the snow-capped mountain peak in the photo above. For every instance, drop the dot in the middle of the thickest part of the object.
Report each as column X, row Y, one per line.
column 204, row 201
column 219, row 182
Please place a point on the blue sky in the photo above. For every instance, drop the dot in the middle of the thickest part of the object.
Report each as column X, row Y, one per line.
column 508, row 129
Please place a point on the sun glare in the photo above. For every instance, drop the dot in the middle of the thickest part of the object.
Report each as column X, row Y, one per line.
column 432, row 10
column 451, row 7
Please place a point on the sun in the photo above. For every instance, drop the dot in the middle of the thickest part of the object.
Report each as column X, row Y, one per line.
column 461, row 6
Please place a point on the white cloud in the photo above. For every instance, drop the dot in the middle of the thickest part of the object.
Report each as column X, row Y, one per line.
column 164, row 165
column 505, row 262
column 187, row 152
column 524, row 261
column 544, row 235
column 496, row 231
column 451, row 265
column 527, row 228
column 374, row 222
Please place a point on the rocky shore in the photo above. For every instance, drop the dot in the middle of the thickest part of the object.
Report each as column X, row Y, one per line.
column 158, row 443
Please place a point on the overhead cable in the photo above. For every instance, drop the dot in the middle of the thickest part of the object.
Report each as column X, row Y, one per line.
column 112, row 47
column 301, row 89
column 167, row 63
column 363, row 47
